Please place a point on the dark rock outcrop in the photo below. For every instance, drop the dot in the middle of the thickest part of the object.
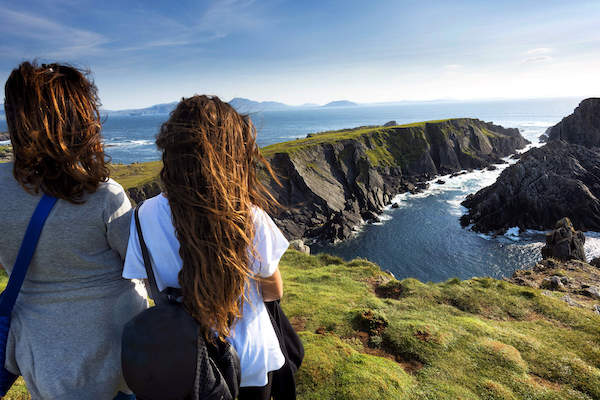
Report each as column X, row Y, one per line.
column 545, row 185
column 4, row 136
column 139, row 193
column 578, row 281
column 564, row 243
column 330, row 184
column 582, row 127
column 560, row 179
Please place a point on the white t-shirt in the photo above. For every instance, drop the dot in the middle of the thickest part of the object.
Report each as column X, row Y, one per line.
column 253, row 336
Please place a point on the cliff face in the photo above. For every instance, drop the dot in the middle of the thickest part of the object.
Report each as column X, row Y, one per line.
column 332, row 181
column 582, row 127
column 560, row 179
column 547, row 183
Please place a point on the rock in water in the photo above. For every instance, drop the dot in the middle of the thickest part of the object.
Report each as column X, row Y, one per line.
column 564, row 243
column 391, row 123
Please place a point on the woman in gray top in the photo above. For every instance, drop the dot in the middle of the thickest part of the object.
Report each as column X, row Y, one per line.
column 66, row 325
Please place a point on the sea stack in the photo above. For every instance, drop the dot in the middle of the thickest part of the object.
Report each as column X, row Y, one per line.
column 564, row 243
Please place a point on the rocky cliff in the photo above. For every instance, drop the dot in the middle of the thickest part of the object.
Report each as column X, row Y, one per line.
column 331, row 182
column 560, row 179
column 582, row 127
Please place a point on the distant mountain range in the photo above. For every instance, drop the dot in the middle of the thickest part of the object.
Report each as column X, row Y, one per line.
column 157, row 109
column 239, row 103
column 340, row 103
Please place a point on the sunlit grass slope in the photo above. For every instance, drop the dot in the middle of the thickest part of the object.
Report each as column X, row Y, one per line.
column 475, row 339
column 368, row 336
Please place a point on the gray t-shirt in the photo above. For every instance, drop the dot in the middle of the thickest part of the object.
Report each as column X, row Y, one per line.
column 65, row 335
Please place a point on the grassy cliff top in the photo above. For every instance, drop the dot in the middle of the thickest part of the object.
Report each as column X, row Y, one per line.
column 368, row 336
column 333, row 136
column 136, row 174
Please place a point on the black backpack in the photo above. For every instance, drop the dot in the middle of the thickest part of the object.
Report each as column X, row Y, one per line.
column 164, row 356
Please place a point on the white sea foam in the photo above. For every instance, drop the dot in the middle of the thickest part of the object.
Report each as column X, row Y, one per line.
column 513, row 233
column 537, row 124
column 592, row 245
column 470, row 182
column 485, row 236
column 130, row 143
column 142, row 142
column 385, row 217
column 4, row 142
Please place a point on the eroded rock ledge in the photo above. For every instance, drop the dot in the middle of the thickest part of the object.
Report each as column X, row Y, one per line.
column 333, row 181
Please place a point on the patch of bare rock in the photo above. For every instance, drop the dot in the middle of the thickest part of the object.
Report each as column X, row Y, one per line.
column 564, row 269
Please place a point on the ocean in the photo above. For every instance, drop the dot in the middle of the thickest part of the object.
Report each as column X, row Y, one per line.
column 423, row 237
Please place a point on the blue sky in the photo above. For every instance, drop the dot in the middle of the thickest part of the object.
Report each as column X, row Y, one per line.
column 147, row 52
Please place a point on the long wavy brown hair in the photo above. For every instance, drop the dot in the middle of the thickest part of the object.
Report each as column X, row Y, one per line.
column 54, row 127
column 209, row 175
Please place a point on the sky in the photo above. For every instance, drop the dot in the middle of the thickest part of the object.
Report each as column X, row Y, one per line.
column 147, row 52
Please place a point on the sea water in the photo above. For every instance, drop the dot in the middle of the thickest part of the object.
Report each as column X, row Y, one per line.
column 422, row 238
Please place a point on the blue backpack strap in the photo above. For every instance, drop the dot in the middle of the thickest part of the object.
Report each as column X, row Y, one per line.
column 30, row 241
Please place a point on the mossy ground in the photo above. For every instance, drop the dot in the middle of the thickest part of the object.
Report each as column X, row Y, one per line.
column 368, row 336
column 475, row 339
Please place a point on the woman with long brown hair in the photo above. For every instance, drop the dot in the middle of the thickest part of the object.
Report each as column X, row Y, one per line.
column 208, row 234
column 66, row 325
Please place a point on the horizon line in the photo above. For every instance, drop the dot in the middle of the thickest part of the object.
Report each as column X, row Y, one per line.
column 390, row 102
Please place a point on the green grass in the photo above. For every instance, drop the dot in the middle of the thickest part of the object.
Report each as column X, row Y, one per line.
column 476, row 339
column 137, row 174
column 333, row 136
column 5, row 151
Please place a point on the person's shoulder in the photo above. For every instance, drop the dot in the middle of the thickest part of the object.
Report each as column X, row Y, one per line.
column 110, row 186
column 257, row 213
column 260, row 216
column 158, row 203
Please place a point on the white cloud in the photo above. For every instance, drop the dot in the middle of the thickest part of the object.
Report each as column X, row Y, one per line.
column 220, row 19
column 65, row 41
column 539, row 51
column 537, row 59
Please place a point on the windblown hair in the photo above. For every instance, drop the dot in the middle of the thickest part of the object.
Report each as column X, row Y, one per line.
column 209, row 175
column 54, row 126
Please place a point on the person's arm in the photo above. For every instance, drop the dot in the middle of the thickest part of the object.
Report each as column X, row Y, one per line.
column 272, row 287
